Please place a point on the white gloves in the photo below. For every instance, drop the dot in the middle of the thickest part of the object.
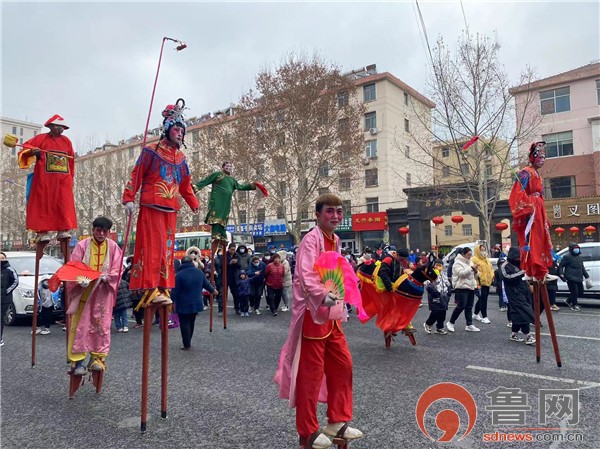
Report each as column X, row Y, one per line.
column 588, row 283
column 330, row 300
column 84, row 283
column 129, row 207
column 103, row 278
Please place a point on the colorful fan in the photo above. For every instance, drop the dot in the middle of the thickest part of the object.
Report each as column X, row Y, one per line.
column 339, row 278
column 74, row 272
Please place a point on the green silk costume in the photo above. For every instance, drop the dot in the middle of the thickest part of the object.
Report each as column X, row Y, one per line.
column 219, row 204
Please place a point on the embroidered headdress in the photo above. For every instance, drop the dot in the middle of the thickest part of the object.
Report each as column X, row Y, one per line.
column 173, row 115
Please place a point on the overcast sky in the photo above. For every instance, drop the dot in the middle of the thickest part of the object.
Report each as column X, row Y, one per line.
column 95, row 63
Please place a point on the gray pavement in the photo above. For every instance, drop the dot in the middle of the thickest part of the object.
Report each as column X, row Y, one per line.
column 221, row 392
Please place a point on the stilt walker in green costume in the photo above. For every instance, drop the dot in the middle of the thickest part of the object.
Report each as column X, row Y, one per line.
column 219, row 206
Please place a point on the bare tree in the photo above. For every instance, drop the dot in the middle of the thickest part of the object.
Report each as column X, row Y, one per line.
column 471, row 91
column 298, row 132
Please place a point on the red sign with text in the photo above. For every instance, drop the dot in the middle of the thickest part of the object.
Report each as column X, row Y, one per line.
column 373, row 221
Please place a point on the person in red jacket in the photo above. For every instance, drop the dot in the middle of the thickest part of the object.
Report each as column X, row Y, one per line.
column 274, row 282
column 163, row 171
column 50, row 202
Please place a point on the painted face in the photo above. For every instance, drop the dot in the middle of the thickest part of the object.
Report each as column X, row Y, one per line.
column 100, row 234
column 228, row 168
column 539, row 155
column 176, row 134
column 330, row 217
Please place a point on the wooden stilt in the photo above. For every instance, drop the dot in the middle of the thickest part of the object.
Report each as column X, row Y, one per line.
column 66, row 251
column 39, row 253
column 224, row 293
column 536, row 309
column 74, row 384
column 544, row 291
column 215, row 246
column 97, row 378
column 148, row 314
column 164, row 358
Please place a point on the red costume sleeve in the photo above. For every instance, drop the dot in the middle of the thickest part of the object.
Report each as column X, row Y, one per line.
column 136, row 180
column 519, row 201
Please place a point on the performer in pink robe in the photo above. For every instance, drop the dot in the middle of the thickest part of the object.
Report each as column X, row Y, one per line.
column 92, row 303
column 316, row 345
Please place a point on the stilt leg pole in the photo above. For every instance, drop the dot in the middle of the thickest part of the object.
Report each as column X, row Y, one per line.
column 550, row 318
column 164, row 359
column 148, row 313
column 224, row 293
column 39, row 253
column 536, row 307
column 66, row 251
column 215, row 246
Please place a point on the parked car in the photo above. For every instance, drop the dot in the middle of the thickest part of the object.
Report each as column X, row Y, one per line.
column 454, row 252
column 590, row 254
column 24, row 264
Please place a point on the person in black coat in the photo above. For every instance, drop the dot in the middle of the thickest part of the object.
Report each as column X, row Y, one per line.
column 517, row 290
column 572, row 271
column 10, row 280
column 120, row 309
column 438, row 297
column 390, row 268
column 187, row 296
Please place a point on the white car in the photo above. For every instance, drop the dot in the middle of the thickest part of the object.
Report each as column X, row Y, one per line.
column 23, row 263
column 590, row 254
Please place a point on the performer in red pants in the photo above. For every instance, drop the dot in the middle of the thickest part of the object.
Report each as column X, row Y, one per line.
column 315, row 363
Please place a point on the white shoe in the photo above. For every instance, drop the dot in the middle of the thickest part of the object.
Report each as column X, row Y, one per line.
column 528, row 278
column 162, row 299
column 285, row 309
column 43, row 237
column 125, row 329
column 450, row 326
column 427, row 328
column 256, row 311
column 471, row 328
column 477, row 317
column 509, row 324
column 551, row 277
column 45, row 331
column 321, row 442
column 63, row 235
column 119, row 330
column 485, row 320
column 37, row 330
column 350, row 433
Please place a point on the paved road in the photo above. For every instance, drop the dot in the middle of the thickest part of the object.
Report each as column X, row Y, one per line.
column 221, row 392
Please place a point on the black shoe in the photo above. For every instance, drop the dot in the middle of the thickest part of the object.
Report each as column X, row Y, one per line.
column 274, row 313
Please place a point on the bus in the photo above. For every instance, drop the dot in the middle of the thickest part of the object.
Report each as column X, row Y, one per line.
column 202, row 240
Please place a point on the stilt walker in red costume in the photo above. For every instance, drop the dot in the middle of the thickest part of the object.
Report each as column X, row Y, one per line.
column 50, row 202
column 315, row 363
column 531, row 224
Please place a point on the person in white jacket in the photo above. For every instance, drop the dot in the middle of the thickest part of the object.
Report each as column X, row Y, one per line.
column 286, row 294
column 464, row 273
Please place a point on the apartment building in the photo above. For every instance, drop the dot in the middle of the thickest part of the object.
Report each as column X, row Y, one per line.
column 569, row 115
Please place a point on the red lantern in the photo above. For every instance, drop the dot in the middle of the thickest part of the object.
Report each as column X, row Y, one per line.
column 437, row 220
column 403, row 231
column 574, row 231
column 457, row 219
column 501, row 226
column 560, row 231
column 590, row 230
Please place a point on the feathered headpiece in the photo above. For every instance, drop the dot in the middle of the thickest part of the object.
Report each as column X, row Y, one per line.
column 536, row 149
column 173, row 114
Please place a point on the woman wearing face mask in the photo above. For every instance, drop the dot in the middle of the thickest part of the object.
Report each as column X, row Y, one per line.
column 572, row 271
column 486, row 276
column 47, row 305
column 463, row 280
column 367, row 254
column 256, row 276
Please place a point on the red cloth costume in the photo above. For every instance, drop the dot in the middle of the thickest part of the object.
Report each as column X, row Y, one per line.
column 51, row 206
column 526, row 203
column 163, row 173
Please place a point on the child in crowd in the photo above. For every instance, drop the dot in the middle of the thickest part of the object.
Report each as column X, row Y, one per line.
column 120, row 309
column 438, row 296
column 243, row 292
column 47, row 306
column 206, row 293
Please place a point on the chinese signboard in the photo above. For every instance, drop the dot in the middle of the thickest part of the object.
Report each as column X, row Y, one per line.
column 256, row 229
column 275, row 227
column 374, row 221
column 345, row 225
column 573, row 210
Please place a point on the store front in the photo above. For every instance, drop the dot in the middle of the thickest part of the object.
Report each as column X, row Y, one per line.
column 573, row 216
column 372, row 229
column 347, row 235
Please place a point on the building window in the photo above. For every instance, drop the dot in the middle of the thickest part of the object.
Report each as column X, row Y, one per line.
column 369, row 92
column 408, row 180
column 406, row 125
column 371, row 148
column 280, row 212
column 373, row 204
column 243, row 217
column 343, row 123
column 445, row 152
column 464, row 169
column 323, row 190
column 598, row 91
column 131, row 152
column 370, row 120
column 467, row 229
column 563, row 187
column 407, row 152
column 14, row 151
column 371, row 177
column 345, row 182
column 14, row 130
column 488, row 170
column 556, row 100
column 304, row 215
column 347, row 207
column 559, row 144
column 448, row 231
column 324, row 170
column 34, row 133
column 445, row 171
column 283, row 189
column 342, row 99
column 21, row 132
column 260, row 215
column 405, row 98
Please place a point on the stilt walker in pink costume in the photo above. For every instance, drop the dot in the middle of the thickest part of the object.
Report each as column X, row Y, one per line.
column 315, row 364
